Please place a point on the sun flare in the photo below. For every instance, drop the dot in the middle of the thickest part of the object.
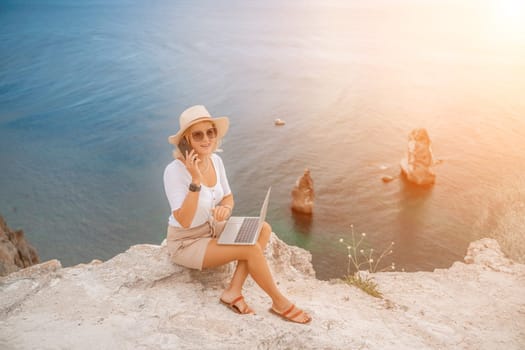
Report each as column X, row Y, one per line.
column 508, row 19
column 511, row 8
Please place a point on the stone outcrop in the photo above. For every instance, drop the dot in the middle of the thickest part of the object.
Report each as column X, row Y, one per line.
column 279, row 122
column 303, row 194
column 15, row 251
column 139, row 300
column 487, row 252
column 418, row 163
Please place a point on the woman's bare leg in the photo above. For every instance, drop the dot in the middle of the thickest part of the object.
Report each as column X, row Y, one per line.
column 241, row 272
column 234, row 289
column 257, row 266
column 217, row 255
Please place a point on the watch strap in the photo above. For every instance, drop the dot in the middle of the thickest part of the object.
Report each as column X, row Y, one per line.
column 194, row 188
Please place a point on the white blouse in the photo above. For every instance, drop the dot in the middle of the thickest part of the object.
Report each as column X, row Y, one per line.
column 177, row 179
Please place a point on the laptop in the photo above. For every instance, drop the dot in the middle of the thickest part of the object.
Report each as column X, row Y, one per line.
column 244, row 230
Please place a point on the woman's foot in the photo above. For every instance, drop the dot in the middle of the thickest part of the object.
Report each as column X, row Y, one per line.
column 292, row 313
column 236, row 303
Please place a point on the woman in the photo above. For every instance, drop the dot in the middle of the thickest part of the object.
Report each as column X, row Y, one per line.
column 201, row 201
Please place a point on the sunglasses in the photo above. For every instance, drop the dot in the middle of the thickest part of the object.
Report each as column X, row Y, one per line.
column 198, row 136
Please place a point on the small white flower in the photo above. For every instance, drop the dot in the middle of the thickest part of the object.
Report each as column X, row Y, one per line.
column 363, row 234
column 348, row 247
column 349, row 256
column 340, row 240
column 371, row 260
column 362, row 251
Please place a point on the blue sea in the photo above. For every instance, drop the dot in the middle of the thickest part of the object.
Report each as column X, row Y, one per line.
column 90, row 91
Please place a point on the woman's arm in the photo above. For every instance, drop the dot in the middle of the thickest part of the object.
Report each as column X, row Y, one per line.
column 224, row 210
column 185, row 214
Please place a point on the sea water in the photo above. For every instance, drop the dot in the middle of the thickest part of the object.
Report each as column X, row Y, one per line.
column 90, row 91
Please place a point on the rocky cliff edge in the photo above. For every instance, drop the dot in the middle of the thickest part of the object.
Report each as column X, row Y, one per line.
column 139, row 300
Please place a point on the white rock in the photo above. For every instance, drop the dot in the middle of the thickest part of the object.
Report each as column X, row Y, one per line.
column 139, row 300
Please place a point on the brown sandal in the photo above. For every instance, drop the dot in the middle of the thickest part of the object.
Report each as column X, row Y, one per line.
column 285, row 315
column 232, row 305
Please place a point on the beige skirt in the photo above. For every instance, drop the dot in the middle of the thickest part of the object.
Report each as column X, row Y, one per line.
column 187, row 246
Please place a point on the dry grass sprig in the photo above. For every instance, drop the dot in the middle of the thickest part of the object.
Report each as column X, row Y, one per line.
column 363, row 260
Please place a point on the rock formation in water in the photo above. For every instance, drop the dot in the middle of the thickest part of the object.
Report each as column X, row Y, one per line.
column 417, row 166
column 279, row 122
column 303, row 194
column 15, row 251
column 387, row 178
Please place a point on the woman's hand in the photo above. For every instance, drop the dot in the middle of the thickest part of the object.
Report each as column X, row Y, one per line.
column 192, row 162
column 222, row 212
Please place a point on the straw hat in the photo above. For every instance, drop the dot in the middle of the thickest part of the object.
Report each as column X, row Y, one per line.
column 197, row 114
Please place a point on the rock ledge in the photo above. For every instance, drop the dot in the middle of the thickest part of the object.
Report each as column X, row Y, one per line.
column 138, row 300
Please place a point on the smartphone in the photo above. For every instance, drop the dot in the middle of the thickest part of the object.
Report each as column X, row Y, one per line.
column 184, row 146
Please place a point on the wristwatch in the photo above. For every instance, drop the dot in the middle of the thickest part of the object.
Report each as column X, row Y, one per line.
column 194, row 188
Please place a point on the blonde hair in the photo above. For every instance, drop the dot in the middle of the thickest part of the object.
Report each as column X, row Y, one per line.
column 186, row 134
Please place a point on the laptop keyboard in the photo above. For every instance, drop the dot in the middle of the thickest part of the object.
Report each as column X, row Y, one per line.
column 247, row 231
